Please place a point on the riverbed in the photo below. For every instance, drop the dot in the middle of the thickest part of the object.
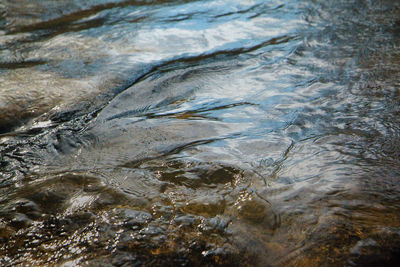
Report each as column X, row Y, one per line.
column 199, row 133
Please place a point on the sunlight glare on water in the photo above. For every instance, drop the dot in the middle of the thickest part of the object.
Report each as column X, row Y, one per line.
column 250, row 133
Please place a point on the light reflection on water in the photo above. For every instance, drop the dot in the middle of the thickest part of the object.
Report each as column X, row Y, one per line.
column 199, row 132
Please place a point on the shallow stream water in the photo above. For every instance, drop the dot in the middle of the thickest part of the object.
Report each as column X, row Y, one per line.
column 169, row 133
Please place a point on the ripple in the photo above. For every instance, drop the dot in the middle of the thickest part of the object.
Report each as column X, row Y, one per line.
column 260, row 133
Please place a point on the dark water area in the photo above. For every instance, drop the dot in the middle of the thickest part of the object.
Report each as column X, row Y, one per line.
column 199, row 133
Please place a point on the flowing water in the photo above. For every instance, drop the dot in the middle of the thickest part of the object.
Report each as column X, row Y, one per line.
column 210, row 132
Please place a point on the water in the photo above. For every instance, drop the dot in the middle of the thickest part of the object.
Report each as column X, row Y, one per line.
column 261, row 133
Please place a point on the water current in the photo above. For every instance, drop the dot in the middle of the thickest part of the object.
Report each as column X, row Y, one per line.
column 199, row 133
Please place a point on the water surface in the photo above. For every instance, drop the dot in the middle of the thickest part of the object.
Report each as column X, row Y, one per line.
column 261, row 133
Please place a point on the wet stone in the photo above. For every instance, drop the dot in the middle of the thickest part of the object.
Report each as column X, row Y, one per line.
column 136, row 218
column 164, row 211
column 206, row 205
column 125, row 259
column 49, row 200
column 187, row 220
column 5, row 232
column 152, row 230
column 21, row 206
column 251, row 208
column 215, row 224
column 363, row 245
column 28, row 207
column 126, row 236
column 106, row 232
column 81, row 218
column 20, row 220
